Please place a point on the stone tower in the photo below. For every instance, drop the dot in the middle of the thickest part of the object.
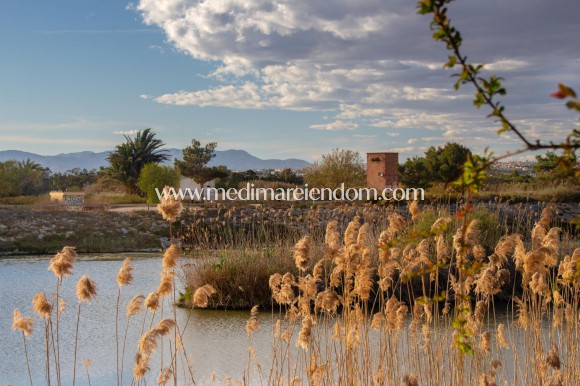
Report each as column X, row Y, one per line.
column 382, row 170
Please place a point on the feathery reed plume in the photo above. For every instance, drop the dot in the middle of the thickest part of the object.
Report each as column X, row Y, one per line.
column 124, row 278
column 351, row 233
column 165, row 326
column 302, row 253
column 377, row 321
column 569, row 270
column 62, row 263
column 305, row 333
column 166, row 284
column 501, row 338
column 332, row 236
column 318, row 270
column 135, row 305
column 152, row 302
column 327, row 301
column 141, row 366
column 485, row 342
column 541, row 227
column 148, row 342
column 519, row 252
column 414, row 209
column 384, row 252
column 164, row 376
column 170, row 257
column 307, row 285
column 551, row 245
column 202, row 295
column 86, row 289
column 25, row 326
column 397, row 224
column 21, row 323
column 504, row 247
column 363, row 235
column 41, row 305
column 252, row 324
column 534, row 263
column 169, row 207
column 125, row 275
column 553, row 359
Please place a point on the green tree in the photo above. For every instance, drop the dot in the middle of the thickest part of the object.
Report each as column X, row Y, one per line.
column 439, row 164
column 155, row 176
column 23, row 178
column 335, row 168
column 129, row 158
column 195, row 160
column 72, row 180
column 33, row 178
column 413, row 173
column 445, row 162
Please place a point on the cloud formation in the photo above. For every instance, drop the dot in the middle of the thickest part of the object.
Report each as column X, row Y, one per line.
column 126, row 132
column 371, row 63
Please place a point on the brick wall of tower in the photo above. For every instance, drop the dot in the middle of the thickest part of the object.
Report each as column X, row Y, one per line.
column 382, row 170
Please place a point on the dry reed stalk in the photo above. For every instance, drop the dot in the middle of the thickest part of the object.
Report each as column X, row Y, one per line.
column 86, row 290
column 25, row 326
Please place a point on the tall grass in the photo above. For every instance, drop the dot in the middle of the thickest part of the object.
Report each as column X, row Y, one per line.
column 362, row 295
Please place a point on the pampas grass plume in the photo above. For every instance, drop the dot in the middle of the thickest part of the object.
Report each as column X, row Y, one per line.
column 125, row 275
column 86, row 289
column 22, row 323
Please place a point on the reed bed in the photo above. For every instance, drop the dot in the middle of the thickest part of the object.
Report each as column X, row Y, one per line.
column 422, row 334
column 367, row 295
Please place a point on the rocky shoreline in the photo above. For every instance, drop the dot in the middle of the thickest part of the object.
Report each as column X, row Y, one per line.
column 27, row 231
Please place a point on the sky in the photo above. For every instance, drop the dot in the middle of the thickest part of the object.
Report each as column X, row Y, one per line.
column 279, row 79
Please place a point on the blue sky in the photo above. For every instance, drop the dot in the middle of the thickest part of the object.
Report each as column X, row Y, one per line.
column 278, row 79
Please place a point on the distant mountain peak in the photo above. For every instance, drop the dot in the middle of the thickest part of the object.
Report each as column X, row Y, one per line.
column 234, row 159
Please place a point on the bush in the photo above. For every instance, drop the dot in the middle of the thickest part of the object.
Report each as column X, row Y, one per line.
column 239, row 276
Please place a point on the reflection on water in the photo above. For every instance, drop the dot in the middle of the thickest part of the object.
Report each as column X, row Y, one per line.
column 215, row 340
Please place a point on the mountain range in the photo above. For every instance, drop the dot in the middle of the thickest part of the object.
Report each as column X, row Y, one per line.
column 232, row 159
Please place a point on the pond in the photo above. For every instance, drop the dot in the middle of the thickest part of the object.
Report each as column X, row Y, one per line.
column 215, row 340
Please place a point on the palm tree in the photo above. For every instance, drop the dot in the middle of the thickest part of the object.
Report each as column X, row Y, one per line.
column 33, row 177
column 130, row 157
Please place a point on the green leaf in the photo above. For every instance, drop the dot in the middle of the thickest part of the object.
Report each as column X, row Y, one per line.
column 451, row 62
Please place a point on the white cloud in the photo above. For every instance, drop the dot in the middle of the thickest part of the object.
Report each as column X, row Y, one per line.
column 145, row 96
column 126, row 132
column 369, row 62
column 336, row 125
column 506, row 65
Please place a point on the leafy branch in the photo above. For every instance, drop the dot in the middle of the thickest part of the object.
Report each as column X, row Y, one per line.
column 487, row 92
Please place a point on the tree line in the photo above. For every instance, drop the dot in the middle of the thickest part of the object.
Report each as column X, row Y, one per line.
column 137, row 164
